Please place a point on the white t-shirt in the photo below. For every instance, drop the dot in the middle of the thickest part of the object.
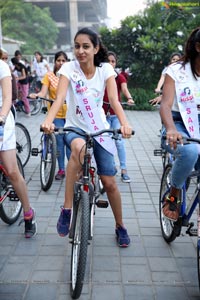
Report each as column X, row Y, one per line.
column 185, row 76
column 9, row 140
column 96, row 85
column 4, row 72
column 40, row 68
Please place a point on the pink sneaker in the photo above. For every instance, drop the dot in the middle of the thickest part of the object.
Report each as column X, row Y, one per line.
column 60, row 175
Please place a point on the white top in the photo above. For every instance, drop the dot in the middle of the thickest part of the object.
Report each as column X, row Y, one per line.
column 184, row 77
column 96, row 85
column 40, row 68
column 4, row 72
column 9, row 140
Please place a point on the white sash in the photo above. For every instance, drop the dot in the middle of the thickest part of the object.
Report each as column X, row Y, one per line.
column 89, row 109
column 186, row 102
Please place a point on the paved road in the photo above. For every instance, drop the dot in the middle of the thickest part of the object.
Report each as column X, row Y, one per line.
column 150, row 269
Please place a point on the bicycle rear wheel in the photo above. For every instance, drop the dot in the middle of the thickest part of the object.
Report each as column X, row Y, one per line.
column 35, row 106
column 48, row 160
column 10, row 207
column 170, row 230
column 23, row 143
column 81, row 221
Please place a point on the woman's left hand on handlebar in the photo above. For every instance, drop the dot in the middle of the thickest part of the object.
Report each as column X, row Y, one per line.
column 126, row 131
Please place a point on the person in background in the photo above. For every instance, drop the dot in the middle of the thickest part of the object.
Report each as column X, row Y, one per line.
column 111, row 117
column 8, row 149
column 40, row 68
column 49, row 87
column 22, row 83
column 179, row 111
column 4, row 57
column 173, row 58
column 83, row 79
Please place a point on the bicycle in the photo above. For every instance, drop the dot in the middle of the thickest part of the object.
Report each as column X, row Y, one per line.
column 87, row 191
column 23, row 143
column 35, row 106
column 48, row 152
column 10, row 205
column 189, row 203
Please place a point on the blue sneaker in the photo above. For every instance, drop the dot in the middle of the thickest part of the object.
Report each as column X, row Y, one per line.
column 125, row 177
column 63, row 223
column 122, row 237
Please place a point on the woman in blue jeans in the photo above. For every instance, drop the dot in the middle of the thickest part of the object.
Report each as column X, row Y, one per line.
column 111, row 117
column 49, row 87
column 179, row 112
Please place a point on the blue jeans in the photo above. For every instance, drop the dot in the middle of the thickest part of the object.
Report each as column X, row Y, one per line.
column 60, row 141
column 120, row 145
column 104, row 159
column 186, row 157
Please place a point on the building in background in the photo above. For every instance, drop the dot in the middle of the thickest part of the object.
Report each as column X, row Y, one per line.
column 71, row 15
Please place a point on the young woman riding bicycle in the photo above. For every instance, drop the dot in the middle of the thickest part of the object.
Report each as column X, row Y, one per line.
column 180, row 115
column 84, row 81
column 49, row 87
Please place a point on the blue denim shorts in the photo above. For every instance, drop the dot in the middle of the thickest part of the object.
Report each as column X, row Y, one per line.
column 104, row 159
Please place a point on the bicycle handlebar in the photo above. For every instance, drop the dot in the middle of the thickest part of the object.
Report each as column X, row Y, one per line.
column 70, row 129
column 41, row 99
column 187, row 140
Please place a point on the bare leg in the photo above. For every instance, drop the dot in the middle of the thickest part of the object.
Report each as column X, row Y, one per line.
column 114, row 198
column 73, row 170
column 10, row 163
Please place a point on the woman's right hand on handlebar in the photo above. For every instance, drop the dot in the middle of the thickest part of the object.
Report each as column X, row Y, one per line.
column 172, row 137
column 33, row 96
column 48, row 127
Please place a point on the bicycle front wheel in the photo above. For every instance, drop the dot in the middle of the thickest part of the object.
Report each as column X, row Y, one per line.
column 170, row 230
column 48, row 160
column 81, row 215
column 23, row 143
column 10, row 207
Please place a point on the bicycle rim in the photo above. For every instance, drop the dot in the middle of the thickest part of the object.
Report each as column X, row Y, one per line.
column 23, row 143
column 80, row 244
column 11, row 206
column 35, row 106
column 169, row 228
column 48, row 161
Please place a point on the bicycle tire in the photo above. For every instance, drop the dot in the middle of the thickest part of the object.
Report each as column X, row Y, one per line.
column 170, row 230
column 11, row 207
column 198, row 260
column 81, row 215
column 23, row 143
column 48, row 160
column 35, row 106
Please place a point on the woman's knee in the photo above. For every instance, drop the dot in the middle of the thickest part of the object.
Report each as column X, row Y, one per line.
column 109, row 183
column 188, row 153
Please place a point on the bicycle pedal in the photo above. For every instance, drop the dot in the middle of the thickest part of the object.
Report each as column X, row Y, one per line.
column 34, row 152
column 158, row 152
column 191, row 231
column 102, row 203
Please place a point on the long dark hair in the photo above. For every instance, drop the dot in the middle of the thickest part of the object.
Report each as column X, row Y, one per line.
column 102, row 54
column 40, row 54
column 59, row 53
column 191, row 53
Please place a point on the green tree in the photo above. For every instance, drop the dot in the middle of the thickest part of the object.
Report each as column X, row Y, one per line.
column 145, row 42
column 28, row 23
